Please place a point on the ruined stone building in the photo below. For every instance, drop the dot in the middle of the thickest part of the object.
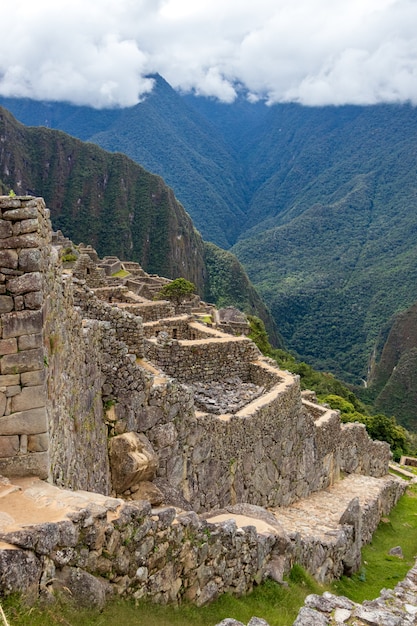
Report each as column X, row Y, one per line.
column 172, row 459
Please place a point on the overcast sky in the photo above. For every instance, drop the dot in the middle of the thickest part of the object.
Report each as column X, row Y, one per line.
column 316, row 52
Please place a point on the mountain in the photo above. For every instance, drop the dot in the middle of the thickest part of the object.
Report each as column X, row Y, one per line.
column 318, row 203
column 168, row 138
column 393, row 374
column 114, row 204
column 330, row 237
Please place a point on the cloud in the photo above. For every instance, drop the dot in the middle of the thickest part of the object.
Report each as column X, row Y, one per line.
column 101, row 52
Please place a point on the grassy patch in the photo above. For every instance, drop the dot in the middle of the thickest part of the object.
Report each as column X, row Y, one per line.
column 120, row 274
column 380, row 570
column 277, row 604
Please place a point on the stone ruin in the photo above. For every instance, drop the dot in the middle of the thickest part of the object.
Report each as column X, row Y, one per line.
column 177, row 461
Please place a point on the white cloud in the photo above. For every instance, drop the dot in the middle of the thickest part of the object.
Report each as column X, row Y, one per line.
column 99, row 52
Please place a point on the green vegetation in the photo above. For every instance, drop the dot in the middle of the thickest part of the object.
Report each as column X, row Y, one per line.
column 121, row 274
column 178, row 291
column 379, row 569
column 227, row 284
column 277, row 604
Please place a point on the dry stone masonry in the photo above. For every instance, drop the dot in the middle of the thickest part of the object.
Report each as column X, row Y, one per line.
column 200, row 452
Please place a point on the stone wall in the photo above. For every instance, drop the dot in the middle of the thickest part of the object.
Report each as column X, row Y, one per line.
column 25, row 233
column 203, row 359
column 128, row 327
column 77, row 432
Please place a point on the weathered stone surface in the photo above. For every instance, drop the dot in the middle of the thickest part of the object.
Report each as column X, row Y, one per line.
column 29, row 226
column 28, row 379
column 3, row 403
column 30, row 240
column 28, row 342
column 6, row 304
column 8, row 346
column 9, row 379
column 30, row 422
column 32, row 281
column 230, row 622
column 9, row 259
column 22, row 323
column 310, row 617
column 84, row 589
column 30, row 260
column 257, row 621
column 38, row 443
column 20, row 571
column 377, row 617
column 132, row 460
column 5, row 230
column 9, row 446
column 397, row 551
column 21, row 213
column 26, row 361
column 29, row 398
column 148, row 491
column 34, row 464
column 33, row 300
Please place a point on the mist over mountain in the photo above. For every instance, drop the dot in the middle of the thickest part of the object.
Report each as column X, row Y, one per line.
column 318, row 203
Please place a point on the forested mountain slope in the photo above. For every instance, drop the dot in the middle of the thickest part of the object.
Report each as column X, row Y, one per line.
column 168, row 138
column 393, row 375
column 120, row 208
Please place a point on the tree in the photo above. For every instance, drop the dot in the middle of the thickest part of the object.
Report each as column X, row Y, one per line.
column 177, row 291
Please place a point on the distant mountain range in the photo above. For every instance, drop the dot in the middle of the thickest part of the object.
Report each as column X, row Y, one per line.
column 319, row 204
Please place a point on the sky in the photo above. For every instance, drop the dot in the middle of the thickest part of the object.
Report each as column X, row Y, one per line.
column 315, row 52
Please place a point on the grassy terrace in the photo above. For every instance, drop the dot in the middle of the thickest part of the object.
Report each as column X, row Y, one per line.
column 277, row 604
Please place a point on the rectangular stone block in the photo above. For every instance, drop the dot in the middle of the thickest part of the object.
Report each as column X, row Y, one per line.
column 3, row 402
column 38, row 443
column 32, row 464
column 23, row 213
column 5, row 230
column 37, row 377
column 22, row 323
column 32, row 281
column 7, row 203
column 9, row 446
column 29, row 226
column 28, row 342
column 33, row 300
column 13, row 390
column 6, row 304
column 9, row 259
column 30, row 260
column 26, row 361
column 31, row 240
column 29, row 398
column 8, row 346
column 24, row 423
column 9, row 380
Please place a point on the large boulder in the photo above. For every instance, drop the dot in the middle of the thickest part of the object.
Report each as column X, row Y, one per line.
column 132, row 460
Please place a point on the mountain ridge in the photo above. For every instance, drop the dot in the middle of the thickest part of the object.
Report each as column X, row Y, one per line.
column 117, row 206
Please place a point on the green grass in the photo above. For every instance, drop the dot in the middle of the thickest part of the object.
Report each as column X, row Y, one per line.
column 277, row 604
column 379, row 570
column 120, row 274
